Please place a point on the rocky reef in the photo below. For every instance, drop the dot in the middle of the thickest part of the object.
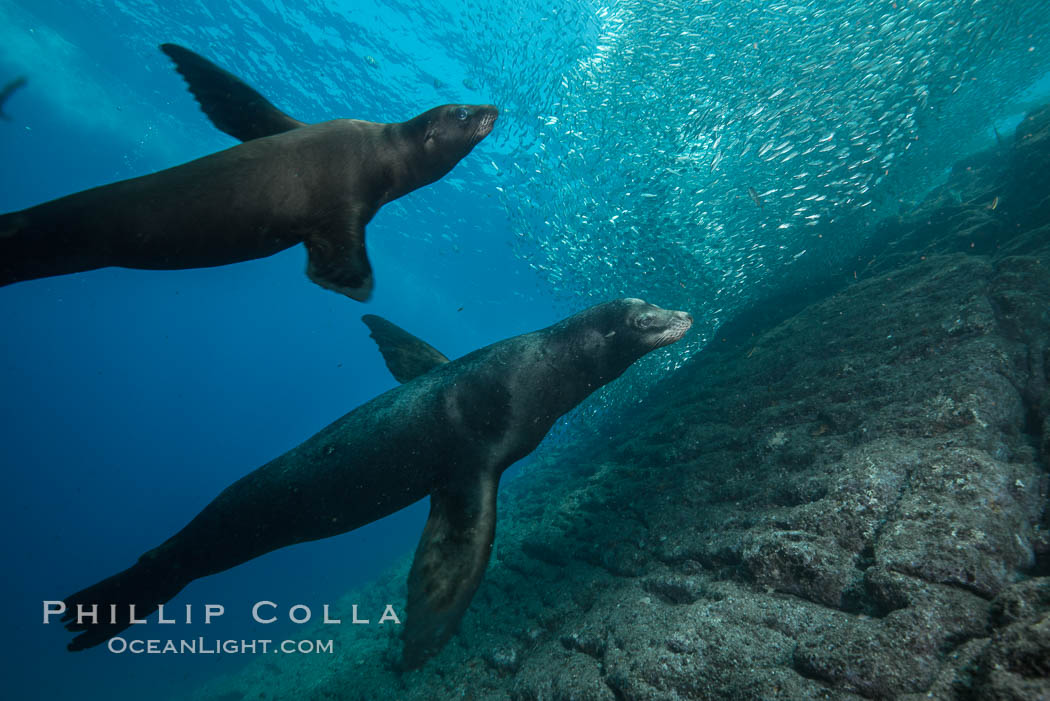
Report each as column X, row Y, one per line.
column 850, row 504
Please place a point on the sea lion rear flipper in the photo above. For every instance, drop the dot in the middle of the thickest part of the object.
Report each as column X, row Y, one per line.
column 449, row 563
column 230, row 104
column 142, row 585
column 406, row 356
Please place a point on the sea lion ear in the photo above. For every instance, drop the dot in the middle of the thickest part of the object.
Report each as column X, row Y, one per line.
column 406, row 356
column 430, row 132
column 449, row 563
column 231, row 104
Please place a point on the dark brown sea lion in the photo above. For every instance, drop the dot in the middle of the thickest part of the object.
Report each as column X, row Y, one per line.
column 290, row 183
column 448, row 434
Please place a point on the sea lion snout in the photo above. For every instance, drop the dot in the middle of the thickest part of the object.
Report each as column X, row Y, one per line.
column 678, row 324
column 488, row 115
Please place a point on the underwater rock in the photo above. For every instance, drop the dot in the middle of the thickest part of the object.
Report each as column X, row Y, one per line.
column 579, row 678
column 1015, row 664
column 676, row 589
column 543, row 551
column 996, row 201
column 1030, row 180
column 1022, row 601
column 590, row 642
column 802, row 564
column 504, row 660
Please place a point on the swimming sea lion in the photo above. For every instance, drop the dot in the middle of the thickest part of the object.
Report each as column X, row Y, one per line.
column 448, row 434
column 290, row 183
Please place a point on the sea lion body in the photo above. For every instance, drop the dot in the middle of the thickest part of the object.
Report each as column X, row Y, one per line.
column 248, row 201
column 381, row 457
column 448, row 433
column 289, row 183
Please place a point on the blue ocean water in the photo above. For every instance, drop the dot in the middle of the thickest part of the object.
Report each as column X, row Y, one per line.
column 630, row 136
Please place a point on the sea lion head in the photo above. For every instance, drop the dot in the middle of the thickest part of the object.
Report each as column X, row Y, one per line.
column 644, row 327
column 609, row 337
column 448, row 133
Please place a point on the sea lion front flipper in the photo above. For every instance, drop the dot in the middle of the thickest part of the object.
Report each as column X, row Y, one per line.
column 406, row 356
column 338, row 261
column 449, row 562
column 230, row 103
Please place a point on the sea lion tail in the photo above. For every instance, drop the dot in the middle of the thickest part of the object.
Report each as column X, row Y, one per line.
column 103, row 610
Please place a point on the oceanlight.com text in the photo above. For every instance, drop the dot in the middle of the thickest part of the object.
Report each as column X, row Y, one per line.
column 214, row 646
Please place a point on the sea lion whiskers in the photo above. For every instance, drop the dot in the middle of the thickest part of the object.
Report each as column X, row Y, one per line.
column 674, row 332
column 484, row 127
column 671, row 335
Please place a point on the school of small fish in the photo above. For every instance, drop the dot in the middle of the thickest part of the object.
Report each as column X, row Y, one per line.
column 702, row 149
column 698, row 153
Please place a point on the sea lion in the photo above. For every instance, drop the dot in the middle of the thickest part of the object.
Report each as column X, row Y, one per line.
column 289, row 183
column 449, row 433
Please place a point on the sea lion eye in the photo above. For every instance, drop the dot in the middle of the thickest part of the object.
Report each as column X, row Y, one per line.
column 645, row 320
column 462, row 113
